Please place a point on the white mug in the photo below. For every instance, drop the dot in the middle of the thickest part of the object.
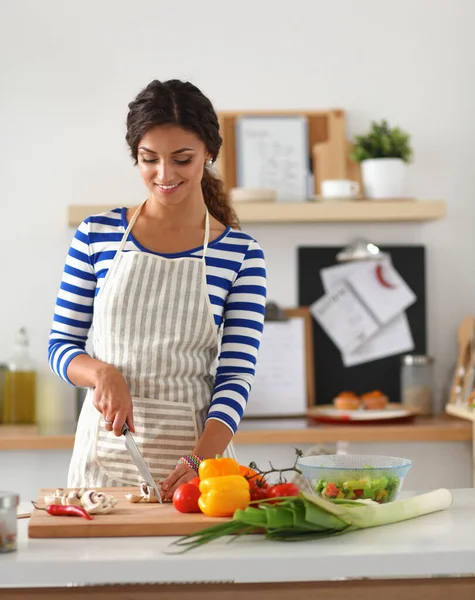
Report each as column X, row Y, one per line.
column 339, row 188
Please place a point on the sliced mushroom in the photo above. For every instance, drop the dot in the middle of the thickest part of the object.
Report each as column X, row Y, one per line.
column 71, row 499
column 148, row 493
column 90, row 502
column 133, row 498
column 80, row 492
column 55, row 498
column 107, row 503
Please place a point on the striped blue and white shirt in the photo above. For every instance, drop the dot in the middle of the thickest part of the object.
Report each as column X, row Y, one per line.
column 236, row 281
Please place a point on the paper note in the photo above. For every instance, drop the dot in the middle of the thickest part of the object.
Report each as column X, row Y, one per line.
column 382, row 289
column 280, row 386
column 344, row 318
column 392, row 338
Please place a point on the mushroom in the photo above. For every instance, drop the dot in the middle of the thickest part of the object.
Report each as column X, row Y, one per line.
column 90, row 502
column 55, row 498
column 72, row 499
column 97, row 503
column 133, row 498
column 148, row 493
column 108, row 503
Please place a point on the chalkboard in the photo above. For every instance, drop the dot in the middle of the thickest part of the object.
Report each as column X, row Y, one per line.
column 331, row 376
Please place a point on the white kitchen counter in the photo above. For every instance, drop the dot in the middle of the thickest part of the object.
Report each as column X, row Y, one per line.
column 441, row 544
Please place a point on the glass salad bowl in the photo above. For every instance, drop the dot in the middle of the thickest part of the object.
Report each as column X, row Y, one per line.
column 355, row 476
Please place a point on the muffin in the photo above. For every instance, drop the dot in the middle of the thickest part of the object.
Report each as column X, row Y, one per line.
column 374, row 400
column 346, row 401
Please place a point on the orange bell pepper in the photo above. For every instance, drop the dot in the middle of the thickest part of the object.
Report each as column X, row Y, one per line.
column 217, row 467
column 221, row 496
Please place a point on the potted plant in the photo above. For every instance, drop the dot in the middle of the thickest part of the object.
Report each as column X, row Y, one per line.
column 384, row 154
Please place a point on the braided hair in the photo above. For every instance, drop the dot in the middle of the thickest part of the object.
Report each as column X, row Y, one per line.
column 181, row 103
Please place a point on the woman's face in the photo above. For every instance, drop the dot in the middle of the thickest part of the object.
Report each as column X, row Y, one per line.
column 171, row 161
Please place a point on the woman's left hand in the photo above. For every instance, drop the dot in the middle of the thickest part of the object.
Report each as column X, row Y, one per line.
column 180, row 474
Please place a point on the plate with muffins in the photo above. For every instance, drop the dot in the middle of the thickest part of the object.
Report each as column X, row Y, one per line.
column 371, row 406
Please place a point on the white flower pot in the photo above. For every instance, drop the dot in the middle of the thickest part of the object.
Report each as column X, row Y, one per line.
column 384, row 178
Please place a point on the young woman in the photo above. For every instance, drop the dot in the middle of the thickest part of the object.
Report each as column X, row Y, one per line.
column 175, row 295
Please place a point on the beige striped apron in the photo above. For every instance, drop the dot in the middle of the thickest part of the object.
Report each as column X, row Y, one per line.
column 153, row 321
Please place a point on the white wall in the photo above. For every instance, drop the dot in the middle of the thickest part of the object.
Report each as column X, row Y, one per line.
column 68, row 70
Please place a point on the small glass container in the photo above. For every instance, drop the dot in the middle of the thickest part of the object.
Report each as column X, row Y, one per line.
column 8, row 521
column 417, row 388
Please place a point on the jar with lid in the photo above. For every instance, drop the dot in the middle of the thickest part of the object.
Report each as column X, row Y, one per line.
column 417, row 383
column 8, row 521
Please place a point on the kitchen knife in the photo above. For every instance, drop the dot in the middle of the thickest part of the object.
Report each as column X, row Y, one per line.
column 139, row 461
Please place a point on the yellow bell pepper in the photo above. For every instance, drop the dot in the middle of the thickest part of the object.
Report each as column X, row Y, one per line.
column 217, row 467
column 222, row 495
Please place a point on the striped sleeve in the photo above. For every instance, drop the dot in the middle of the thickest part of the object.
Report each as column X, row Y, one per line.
column 74, row 305
column 243, row 325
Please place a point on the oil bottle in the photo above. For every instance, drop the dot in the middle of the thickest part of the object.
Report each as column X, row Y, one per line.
column 20, row 385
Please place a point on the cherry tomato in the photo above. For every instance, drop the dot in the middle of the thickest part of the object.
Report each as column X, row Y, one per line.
column 283, row 489
column 259, row 493
column 252, row 476
column 195, row 481
column 185, row 498
column 330, row 491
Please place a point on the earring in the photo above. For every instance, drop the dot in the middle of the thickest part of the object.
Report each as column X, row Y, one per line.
column 209, row 162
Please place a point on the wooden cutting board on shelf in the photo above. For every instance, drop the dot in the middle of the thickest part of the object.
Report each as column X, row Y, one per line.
column 126, row 520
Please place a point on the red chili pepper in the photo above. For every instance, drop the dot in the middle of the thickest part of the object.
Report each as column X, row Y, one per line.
column 58, row 510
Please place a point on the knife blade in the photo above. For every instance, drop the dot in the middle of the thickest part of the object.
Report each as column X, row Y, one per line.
column 139, row 461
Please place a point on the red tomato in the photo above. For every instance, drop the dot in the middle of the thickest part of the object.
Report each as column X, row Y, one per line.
column 252, row 476
column 185, row 498
column 259, row 493
column 283, row 489
column 331, row 491
column 195, row 481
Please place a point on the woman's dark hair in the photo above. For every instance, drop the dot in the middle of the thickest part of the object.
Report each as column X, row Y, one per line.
column 181, row 103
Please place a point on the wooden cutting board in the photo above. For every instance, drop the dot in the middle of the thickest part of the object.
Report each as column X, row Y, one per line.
column 126, row 520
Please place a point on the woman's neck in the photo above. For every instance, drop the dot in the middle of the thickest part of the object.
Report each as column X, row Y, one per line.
column 187, row 214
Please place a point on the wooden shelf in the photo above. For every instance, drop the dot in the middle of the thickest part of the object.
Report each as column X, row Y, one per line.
column 312, row 212
column 269, row 432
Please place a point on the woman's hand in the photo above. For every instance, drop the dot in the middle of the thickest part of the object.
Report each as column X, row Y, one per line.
column 113, row 400
column 180, row 474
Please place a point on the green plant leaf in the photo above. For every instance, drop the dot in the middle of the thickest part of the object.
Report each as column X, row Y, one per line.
column 382, row 141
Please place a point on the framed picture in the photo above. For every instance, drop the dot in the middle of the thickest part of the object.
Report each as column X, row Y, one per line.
column 272, row 153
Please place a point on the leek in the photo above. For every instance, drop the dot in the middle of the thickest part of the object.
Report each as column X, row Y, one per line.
column 308, row 516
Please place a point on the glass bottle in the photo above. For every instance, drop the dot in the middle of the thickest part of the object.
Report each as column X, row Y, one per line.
column 20, row 386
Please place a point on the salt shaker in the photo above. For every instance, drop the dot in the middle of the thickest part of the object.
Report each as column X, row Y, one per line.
column 8, row 521
column 417, row 383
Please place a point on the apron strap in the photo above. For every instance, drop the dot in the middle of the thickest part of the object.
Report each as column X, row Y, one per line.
column 206, row 239
column 129, row 228
column 123, row 241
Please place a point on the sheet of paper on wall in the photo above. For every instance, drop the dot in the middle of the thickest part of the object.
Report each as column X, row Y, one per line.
column 344, row 318
column 280, row 385
column 392, row 338
column 272, row 152
column 382, row 289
